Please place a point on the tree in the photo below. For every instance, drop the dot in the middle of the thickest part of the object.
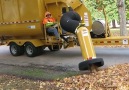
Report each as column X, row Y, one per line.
column 122, row 16
column 106, row 9
column 92, row 6
column 114, row 10
column 95, row 6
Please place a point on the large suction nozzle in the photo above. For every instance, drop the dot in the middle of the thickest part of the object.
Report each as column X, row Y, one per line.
column 70, row 21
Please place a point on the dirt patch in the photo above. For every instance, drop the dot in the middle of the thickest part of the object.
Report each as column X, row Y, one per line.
column 112, row 78
column 37, row 72
column 30, row 77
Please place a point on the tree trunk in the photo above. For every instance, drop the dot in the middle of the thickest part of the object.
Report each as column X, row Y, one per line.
column 122, row 16
column 113, row 24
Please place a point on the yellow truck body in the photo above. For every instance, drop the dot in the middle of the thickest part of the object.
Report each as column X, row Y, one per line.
column 23, row 18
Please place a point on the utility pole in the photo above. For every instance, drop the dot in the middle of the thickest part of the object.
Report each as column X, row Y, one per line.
column 122, row 16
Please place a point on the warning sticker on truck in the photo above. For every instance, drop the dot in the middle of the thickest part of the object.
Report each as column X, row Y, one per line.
column 86, row 19
column 125, row 41
column 32, row 27
column 85, row 33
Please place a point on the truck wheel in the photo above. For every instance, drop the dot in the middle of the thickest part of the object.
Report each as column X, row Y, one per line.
column 55, row 47
column 30, row 50
column 16, row 50
column 40, row 50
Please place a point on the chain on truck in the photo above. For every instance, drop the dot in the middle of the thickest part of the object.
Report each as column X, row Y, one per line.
column 22, row 30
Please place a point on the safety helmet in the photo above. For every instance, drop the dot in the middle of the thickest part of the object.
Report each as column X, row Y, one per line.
column 47, row 13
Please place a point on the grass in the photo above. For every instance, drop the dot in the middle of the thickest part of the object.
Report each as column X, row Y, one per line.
column 28, row 78
column 37, row 73
column 116, row 31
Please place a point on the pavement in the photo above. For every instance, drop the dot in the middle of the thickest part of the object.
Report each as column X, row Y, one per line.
column 113, row 56
column 69, row 58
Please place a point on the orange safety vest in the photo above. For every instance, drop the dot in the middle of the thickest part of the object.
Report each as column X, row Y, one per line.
column 46, row 20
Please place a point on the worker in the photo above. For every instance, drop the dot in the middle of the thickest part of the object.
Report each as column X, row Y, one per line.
column 50, row 24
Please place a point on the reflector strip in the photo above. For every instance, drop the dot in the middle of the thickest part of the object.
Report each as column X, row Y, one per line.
column 116, row 41
column 102, row 42
column 18, row 22
column 107, row 42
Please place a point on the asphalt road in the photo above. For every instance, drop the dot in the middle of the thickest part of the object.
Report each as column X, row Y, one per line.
column 69, row 58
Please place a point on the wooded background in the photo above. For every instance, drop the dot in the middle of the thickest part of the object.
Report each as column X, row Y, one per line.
column 116, row 10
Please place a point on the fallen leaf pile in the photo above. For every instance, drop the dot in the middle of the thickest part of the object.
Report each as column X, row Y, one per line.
column 112, row 78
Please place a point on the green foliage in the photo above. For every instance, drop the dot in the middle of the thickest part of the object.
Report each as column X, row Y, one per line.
column 127, row 14
column 127, row 8
column 110, row 7
column 127, row 4
column 92, row 6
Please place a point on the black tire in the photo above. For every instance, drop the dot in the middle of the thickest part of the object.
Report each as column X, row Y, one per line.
column 22, row 50
column 43, row 47
column 40, row 50
column 86, row 65
column 16, row 50
column 55, row 47
column 30, row 50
